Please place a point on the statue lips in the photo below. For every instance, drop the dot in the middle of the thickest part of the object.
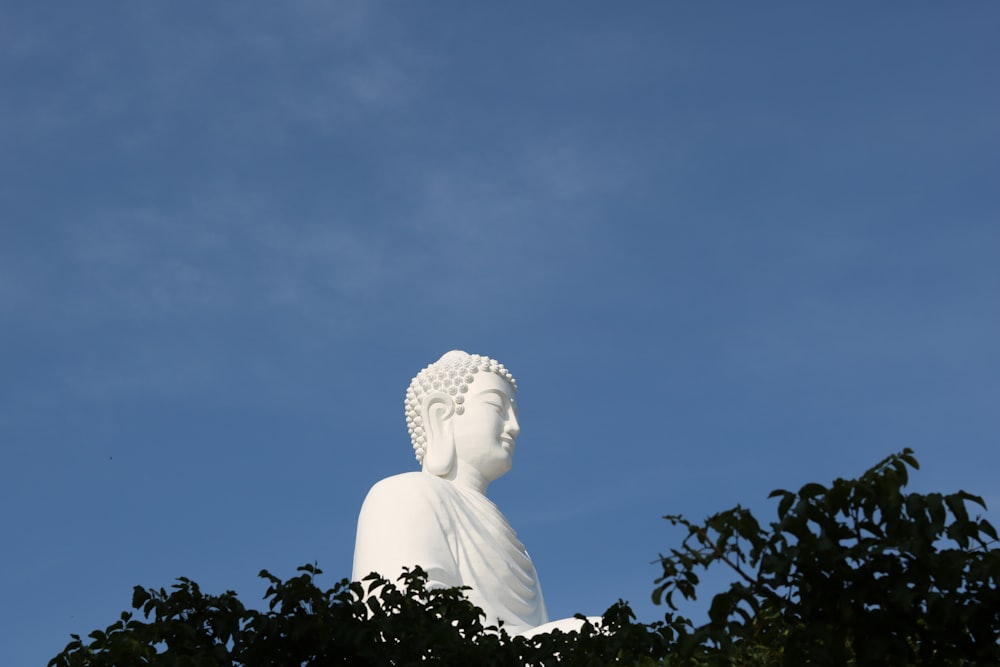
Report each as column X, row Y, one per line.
column 507, row 444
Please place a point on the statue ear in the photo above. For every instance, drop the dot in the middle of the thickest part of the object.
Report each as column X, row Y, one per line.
column 439, row 457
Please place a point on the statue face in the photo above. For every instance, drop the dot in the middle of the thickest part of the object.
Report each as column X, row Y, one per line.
column 485, row 433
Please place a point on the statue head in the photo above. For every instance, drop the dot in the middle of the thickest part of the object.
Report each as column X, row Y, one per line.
column 462, row 407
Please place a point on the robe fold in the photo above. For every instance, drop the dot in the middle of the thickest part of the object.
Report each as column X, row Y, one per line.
column 458, row 536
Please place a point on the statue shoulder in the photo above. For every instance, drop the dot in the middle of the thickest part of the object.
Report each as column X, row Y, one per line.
column 406, row 491
column 405, row 521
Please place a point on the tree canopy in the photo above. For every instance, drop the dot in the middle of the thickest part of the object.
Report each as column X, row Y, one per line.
column 855, row 573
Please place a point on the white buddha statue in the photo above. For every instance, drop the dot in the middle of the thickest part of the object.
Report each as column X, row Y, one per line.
column 462, row 418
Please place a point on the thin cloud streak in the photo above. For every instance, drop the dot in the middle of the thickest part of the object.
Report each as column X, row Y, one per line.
column 221, row 253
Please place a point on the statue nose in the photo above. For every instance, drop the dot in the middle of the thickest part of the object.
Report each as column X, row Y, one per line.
column 512, row 428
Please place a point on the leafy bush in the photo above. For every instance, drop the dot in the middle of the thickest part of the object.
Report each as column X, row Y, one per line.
column 857, row 573
column 374, row 622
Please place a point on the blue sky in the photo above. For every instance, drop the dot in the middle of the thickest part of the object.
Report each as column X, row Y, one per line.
column 724, row 248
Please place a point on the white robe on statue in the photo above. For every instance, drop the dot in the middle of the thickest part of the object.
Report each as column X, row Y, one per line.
column 458, row 537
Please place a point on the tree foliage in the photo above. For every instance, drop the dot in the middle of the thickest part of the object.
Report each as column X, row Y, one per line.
column 855, row 573
column 373, row 622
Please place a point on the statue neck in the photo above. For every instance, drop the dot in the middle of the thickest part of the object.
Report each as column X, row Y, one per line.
column 468, row 477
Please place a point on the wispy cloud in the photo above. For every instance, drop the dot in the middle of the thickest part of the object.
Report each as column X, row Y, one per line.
column 305, row 64
column 571, row 167
column 223, row 252
column 535, row 206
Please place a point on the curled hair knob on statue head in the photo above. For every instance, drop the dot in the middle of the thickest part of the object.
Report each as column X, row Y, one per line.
column 451, row 374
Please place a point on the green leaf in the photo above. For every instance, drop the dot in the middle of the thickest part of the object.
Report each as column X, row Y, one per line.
column 972, row 498
column 139, row 597
column 811, row 490
column 956, row 504
column 787, row 498
column 907, row 456
column 987, row 528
